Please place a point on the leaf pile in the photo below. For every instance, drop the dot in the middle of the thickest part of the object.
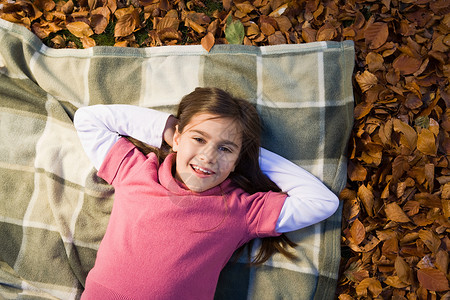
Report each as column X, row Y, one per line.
column 395, row 230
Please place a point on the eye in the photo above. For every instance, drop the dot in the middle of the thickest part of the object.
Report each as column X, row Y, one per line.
column 199, row 140
column 225, row 149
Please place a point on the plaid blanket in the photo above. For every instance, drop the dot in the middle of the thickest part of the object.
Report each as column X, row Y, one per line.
column 54, row 209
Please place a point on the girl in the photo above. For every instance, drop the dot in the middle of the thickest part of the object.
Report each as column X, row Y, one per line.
column 178, row 218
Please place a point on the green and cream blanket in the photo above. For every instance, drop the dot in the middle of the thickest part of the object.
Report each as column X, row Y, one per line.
column 54, row 209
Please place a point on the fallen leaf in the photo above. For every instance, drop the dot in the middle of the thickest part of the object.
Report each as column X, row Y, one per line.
column 366, row 80
column 430, row 240
column 362, row 109
column 426, row 142
column 87, row 42
column 432, row 279
column 406, row 64
column 395, row 282
column 371, row 284
column 208, row 41
column 128, row 21
column 366, row 197
column 234, row 31
column 376, row 34
column 358, row 232
column 326, row 33
column 395, row 213
column 403, row 270
column 80, row 29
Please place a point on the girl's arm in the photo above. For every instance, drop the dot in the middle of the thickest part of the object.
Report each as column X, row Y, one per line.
column 309, row 201
column 100, row 127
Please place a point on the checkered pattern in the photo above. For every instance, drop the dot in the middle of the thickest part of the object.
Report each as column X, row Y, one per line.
column 54, row 209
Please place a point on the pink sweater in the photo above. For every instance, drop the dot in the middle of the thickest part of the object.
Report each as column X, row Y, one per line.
column 166, row 242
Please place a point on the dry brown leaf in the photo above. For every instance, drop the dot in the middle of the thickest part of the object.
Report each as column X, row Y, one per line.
column 362, row 109
column 395, row 282
column 277, row 39
column 369, row 284
column 432, row 279
column 376, row 34
column 404, row 271
column 326, row 33
column 406, row 64
column 100, row 19
column 245, row 7
column 409, row 135
column 127, row 21
column 80, row 29
column 358, row 232
column 87, row 42
column 309, row 34
column 355, row 171
column 208, row 41
column 395, row 213
column 374, row 62
column 367, row 198
column 366, row 80
column 426, row 142
column 430, row 240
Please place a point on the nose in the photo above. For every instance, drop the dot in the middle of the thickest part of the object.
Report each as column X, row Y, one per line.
column 209, row 154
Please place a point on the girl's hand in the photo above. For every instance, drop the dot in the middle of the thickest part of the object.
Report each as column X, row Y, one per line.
column 169, row 130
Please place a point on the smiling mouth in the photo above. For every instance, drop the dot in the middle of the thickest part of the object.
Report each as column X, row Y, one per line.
column 201, row 170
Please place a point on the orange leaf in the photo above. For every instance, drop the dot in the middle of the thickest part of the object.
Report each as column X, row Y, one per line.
column 371, row 284
column 426, row 142
column 358, row 232
column 208, row 41
column 395, row 213
column 80, row 29
column 127, row 22
column 432, row 279
column 87, row 42
column 376, row 34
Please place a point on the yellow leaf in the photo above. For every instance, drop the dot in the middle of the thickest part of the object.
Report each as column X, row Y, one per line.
column 80, row 29
column 87, row 42
column 426, row 142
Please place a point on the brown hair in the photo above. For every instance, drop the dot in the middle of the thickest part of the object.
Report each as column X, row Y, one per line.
column 247, row 173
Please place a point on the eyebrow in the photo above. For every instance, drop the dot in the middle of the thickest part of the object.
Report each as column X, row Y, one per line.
column 226, row 142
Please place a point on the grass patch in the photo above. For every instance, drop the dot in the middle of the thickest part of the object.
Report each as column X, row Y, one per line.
column 107, row 37
column 211, row 7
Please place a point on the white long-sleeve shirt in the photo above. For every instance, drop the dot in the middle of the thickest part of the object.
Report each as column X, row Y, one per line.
column 99, row 127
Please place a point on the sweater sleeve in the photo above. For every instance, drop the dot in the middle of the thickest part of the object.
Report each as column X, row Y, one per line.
column 99, row 127
column 308, row 202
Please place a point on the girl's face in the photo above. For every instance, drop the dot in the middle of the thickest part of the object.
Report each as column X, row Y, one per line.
column 207, row 151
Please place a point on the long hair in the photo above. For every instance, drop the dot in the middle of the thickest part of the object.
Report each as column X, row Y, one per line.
column 247, row 173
